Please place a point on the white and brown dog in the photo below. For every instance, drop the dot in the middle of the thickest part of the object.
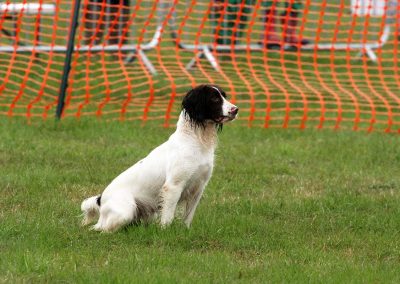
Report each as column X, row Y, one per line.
column 176, row 171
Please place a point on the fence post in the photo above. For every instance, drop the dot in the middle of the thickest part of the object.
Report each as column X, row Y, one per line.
column 67, row 62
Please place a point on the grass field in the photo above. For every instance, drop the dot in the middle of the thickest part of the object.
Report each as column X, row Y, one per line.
column 282, row 206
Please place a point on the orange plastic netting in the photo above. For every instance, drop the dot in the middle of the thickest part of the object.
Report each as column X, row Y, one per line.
column 299, row 64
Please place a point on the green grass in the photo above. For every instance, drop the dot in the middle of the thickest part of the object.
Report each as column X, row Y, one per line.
column 282, row 206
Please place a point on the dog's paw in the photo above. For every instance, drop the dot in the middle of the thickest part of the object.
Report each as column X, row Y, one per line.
column 96, row 228
column 165, row 225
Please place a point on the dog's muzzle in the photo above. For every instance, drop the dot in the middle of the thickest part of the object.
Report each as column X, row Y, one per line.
column 232, row 114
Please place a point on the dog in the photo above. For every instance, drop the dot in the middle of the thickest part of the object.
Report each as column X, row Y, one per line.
column 175, row 172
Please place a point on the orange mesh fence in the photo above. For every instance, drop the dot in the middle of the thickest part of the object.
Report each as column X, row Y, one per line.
column 298, row 64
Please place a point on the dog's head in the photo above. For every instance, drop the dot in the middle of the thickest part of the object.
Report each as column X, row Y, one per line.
column 207, row 103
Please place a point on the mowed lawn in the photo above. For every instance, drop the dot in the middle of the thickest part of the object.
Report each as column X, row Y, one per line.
column 282, row 206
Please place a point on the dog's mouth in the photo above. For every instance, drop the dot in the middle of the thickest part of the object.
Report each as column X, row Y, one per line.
column 225, row 118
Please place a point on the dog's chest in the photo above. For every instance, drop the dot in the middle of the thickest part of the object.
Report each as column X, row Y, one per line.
column 204, row 170
column 199, row 178
column 203, row 167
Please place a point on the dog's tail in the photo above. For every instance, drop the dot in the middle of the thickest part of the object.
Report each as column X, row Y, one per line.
column 90, row 208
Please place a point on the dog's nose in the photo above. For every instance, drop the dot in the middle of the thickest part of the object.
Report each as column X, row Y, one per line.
column 234, row 110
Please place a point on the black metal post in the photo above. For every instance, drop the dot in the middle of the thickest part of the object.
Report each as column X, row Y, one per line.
column 67, row 62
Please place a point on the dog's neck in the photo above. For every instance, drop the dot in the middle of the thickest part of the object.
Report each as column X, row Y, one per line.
column 207, row 135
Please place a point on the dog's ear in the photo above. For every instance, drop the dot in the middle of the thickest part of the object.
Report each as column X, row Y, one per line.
column 193, row 105
column 188, row 103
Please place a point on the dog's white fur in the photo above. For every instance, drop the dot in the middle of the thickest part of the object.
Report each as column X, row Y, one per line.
column 176, row 171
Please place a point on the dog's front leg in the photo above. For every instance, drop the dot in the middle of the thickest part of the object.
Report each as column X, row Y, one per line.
column 170, row 195
column 191, row 205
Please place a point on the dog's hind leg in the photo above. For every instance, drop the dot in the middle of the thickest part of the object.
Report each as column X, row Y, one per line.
column 116, row 214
